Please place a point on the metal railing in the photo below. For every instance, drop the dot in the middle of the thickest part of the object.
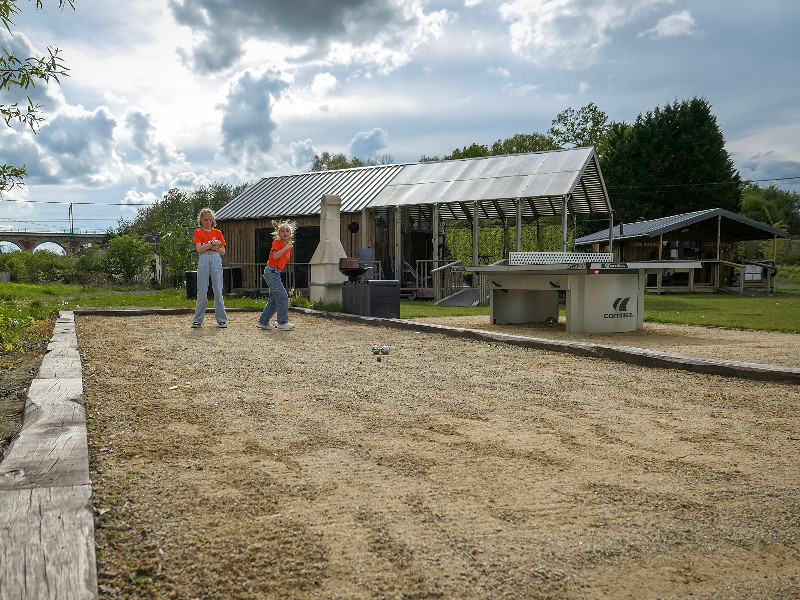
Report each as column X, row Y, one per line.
column 448, row 279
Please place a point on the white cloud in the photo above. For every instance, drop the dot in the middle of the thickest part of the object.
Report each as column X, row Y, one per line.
column 499, row 71
column 675, row 25
column 367, row 144
column 323, row 84
column 302, row 154
column 568, row 33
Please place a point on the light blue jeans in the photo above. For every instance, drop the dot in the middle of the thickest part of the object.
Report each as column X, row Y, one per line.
column 209, row 263
column 278, row 298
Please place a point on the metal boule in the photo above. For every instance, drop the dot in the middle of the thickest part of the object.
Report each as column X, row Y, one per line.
column 384, row 349
column 376, row 349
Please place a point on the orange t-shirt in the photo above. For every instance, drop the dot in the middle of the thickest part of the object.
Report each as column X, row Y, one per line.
column 281, row 262
column 201, row 236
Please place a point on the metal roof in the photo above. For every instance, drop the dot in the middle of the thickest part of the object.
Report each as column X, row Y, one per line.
column 739, row 227
column 539, row 179
column 298, row 195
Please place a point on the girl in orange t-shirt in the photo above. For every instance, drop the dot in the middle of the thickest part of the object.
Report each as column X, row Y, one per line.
column 210, row 246
column 279, row 256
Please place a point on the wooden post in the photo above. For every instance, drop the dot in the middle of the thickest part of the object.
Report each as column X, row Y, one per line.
column 475, row 233
column 398, row 243
column 435, row 219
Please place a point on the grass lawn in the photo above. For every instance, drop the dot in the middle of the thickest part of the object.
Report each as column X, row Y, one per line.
column 23, row 306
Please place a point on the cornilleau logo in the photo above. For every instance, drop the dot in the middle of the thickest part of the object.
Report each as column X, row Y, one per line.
column 621, row 306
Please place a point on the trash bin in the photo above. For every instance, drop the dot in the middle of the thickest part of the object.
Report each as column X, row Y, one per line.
column 191, row 286
column 373, row 298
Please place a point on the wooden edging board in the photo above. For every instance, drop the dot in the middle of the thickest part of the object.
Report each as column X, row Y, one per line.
column 47, row 547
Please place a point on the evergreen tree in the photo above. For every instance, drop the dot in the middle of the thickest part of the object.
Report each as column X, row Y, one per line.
column 672, row 160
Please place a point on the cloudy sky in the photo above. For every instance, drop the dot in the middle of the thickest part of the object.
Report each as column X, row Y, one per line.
column 182, row 93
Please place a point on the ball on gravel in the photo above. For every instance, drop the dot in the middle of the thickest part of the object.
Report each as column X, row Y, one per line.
column 379, row 359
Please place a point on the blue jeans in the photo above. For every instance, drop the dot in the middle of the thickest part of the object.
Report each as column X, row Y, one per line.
column 209, row 263
column 278, row 298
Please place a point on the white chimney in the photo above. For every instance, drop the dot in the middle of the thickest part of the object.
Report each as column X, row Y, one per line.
column 326, row 279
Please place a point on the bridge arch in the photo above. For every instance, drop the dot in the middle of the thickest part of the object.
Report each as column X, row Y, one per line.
column 70, row 243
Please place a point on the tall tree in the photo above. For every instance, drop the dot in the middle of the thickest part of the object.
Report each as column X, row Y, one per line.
column 672, row 160
column 19, row 73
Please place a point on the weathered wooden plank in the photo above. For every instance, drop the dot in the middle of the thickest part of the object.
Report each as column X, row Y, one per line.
column 61, row 363
column 52, row 447
column 47, row 544
column 46, row 522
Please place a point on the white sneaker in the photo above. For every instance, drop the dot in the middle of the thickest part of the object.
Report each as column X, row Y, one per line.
column 284, row 326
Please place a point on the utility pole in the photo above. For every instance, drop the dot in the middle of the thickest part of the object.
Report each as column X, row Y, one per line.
column 71, row 221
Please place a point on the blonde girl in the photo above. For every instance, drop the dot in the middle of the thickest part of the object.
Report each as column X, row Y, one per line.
column 279, row 256
column 210, row 246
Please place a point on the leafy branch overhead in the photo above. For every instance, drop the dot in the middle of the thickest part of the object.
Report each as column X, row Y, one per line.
column 17, row 73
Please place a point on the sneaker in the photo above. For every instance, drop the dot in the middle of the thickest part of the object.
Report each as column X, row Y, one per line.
column 284, row 326
column 222, row 325
column 262, row 326
column 196, row 324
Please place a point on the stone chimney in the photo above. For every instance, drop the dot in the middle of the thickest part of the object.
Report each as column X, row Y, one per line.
column 326, row 279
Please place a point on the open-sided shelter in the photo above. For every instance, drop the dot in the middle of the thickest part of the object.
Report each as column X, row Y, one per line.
column 397, row 212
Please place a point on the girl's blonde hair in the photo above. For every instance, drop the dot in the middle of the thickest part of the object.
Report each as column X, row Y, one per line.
column 204, row 211
column 290, row 224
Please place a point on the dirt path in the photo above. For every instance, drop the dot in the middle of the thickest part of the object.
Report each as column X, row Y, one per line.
column 244, row 464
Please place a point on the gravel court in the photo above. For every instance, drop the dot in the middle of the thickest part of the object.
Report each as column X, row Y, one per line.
column 453, row 468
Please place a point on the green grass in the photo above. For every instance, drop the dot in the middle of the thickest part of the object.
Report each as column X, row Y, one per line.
column 780, row 312
column 27, row 310
column 411, row 309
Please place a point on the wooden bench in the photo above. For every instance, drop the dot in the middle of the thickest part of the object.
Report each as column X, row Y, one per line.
column 47, row 547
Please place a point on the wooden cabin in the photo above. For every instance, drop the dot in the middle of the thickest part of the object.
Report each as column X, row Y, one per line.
column 707, row 235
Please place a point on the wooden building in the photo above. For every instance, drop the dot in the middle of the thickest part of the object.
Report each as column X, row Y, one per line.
column 706, row 235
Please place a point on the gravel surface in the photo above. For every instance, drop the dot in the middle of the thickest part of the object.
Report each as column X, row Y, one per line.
column 238, row 463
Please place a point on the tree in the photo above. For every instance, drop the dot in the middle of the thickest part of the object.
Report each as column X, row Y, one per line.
column 472, row 151
column 127, row 257
column 587, row 126
column 17, row 73
column 171, row 220
column 335, row 162
column 522, row 143
column 672, row 160
column 779, row 208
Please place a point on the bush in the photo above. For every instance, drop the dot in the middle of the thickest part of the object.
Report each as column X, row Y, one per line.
column 40, row 267
column 297, row 299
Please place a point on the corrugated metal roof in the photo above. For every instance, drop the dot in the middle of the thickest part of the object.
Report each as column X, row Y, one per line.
column 298, row 195
column 539, row 179
column 742, row 227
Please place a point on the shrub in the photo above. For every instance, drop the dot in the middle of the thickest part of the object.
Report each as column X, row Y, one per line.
column 297, row 299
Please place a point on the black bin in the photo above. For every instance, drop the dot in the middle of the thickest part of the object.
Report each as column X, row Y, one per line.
column 372, row 298
column 231, row 280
